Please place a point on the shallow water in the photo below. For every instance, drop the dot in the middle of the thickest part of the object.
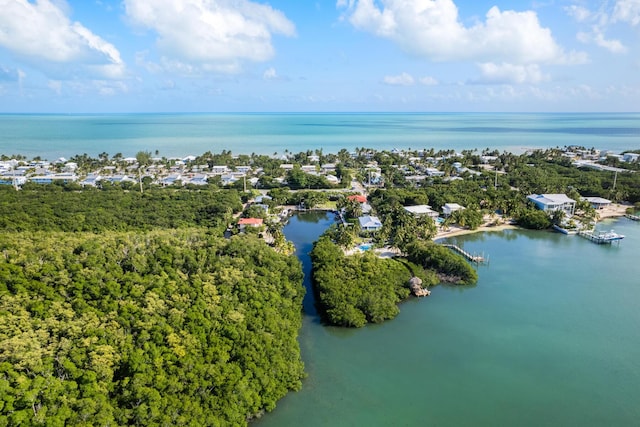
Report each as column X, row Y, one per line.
column 548, row 336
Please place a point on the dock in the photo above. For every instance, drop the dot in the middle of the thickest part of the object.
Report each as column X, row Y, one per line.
column 473, row 258
column 632, row 217
column 602, row 238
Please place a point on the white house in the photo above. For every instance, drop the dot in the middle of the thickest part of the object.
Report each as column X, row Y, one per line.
column 597, row 202
column 420, row 210
column 370, row 223
column 450, row 208
column 553, row 202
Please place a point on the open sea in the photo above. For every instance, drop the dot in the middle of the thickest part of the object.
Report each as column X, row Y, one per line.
column 548, row 337
column 52, row 136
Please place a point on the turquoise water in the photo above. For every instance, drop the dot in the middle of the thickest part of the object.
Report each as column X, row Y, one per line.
column 179, row 135
column 549, row 336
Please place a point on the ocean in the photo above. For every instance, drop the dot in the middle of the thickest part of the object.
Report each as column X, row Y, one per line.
column 547, row 337
column 52, row 136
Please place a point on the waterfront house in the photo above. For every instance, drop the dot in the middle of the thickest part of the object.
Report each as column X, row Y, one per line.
column 421, row 210
column 369, row 223
column 553, row 202
column 597, row 202
column 449, row 208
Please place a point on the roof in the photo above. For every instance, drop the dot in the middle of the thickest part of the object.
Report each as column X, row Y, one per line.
column 551, row 199
column 250, row 221
column 358, row 198
column 368, row 221
column 418, row 209
column 598, row 200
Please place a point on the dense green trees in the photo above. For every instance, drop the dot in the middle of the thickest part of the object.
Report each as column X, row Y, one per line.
column 355, row 290
column 148, row 328
column 51, row 208
column 451, row 267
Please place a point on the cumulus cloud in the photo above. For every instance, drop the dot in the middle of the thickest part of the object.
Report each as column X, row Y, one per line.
column 510, row 73
column 404, row 79
column 210, row 35
column 627, row 11
column 42, row 35
column 432, row 28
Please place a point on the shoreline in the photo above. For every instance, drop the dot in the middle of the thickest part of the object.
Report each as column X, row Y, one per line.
column 615, row 210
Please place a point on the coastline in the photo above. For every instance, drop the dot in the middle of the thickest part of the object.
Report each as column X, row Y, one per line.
column 615, row 210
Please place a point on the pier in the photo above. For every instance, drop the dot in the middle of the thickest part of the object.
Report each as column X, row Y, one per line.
column 632, row 217
column 602, row 238
column 473, row 258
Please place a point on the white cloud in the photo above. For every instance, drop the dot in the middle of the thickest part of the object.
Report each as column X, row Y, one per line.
column 622, row 11
column 403, row 79
column 627, row 11
column 210, row 35
column 510, row 73
column 428, row 81
column 432, row 28
column 42, row 35
column 597, row 37
column 579, row 13
column 270, row 74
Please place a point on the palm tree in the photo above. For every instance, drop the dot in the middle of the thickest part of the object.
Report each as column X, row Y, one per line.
column 143, row 158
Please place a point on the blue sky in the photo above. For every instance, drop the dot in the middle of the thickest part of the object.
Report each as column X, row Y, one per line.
column 304, row 55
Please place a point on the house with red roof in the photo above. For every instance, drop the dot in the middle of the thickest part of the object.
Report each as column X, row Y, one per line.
column 358, row 198
column 250, row 222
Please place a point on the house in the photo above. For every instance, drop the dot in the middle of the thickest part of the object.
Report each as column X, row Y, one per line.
column 262, row 199
column 91, row 180
column 420, row 210
column 219, row 169
column 553, row 202
column 58, row 177
column 433, row 172
column 369, row 223
column 449, row 208
column 250, row 222
column 358, row 198
column 199, row 179
column 597, row 202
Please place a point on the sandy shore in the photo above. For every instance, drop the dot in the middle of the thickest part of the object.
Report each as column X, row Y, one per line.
column 457, row 231
column 612, row 211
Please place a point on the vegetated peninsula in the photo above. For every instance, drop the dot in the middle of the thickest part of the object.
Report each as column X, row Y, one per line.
column 162, row 291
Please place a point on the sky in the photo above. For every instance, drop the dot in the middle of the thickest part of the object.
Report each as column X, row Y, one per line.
column 121, row 56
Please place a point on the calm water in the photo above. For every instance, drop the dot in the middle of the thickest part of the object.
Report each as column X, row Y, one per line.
column 54, row 136
column 549, row 336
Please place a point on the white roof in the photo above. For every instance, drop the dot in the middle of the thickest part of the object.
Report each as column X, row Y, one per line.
column 551, row 199
column 418, row 209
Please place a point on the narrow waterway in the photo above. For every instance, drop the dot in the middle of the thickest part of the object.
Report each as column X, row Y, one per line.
column 549, row 336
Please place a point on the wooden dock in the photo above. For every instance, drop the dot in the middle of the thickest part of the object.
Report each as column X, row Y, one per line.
column 473, row 258
column 602, row 238
column 632, row 217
